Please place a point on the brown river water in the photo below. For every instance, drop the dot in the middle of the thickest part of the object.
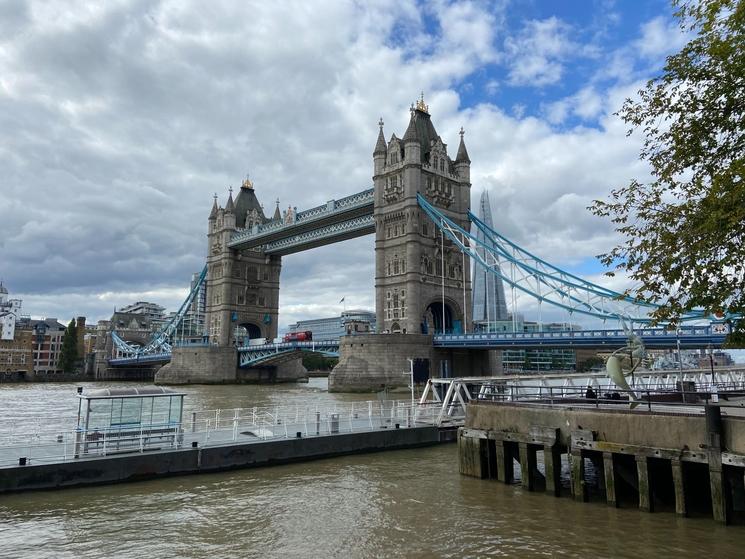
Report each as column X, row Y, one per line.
column 410, row 503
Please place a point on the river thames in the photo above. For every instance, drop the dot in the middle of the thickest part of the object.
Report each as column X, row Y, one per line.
column 410, row 503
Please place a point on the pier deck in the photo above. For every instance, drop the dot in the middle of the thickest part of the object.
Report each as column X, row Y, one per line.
column 215, row 441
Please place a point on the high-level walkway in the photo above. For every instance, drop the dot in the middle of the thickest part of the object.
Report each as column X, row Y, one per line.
column 337, row 220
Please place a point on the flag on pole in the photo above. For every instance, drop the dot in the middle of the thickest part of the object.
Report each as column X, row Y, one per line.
column 342, row 299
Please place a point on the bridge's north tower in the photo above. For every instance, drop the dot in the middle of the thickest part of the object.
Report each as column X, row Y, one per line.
column 242, row 285
column 410, row 258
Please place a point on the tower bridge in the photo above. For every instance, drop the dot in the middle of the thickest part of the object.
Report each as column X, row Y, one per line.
column 425, row 241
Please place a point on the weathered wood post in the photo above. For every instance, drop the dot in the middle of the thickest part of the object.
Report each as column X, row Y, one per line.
column 680, row 497
column 552, row 463
column 504, row 462
column 609, row 470
column 716, row 475
column 528, row 466
column 578, row 475
column 645, row 495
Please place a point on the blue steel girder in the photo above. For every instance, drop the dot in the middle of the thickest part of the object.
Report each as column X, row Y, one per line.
column 539, row 279
column 689, row 337
column 357, row 227
column 334, row 212
column 160, row 342
column 268, row 354
column 140, row 360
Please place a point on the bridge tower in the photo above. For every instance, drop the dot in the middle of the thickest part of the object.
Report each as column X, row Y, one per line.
column 242, row 286
column 410, row 258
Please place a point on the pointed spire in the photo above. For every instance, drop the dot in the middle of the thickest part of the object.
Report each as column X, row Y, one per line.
column 230, row 206
column 213, row 213
column 462, row 156
column 380, row 146
column 277, row 214
column 410, row 133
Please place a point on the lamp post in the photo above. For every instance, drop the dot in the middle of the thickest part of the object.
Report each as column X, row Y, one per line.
column 714, row 389
column 680, row 365
column 411, row 379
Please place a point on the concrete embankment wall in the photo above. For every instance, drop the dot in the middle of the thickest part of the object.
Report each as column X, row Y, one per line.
column 687, row 463
column 642, row 429
column 136, row 467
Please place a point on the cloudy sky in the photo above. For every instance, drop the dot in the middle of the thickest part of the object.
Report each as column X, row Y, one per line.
column 119, row 120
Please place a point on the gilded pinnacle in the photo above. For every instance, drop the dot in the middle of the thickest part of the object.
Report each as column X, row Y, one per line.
column 420, row 106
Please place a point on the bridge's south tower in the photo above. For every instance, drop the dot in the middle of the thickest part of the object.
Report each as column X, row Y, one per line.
column 242, row 286
column 411, row 261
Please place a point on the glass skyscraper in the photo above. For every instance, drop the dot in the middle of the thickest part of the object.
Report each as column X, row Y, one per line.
column 489, row 304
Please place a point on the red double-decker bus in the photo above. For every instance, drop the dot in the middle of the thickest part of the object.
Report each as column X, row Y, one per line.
column 298, row 336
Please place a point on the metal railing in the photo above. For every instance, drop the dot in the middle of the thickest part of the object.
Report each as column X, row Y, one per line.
column 216, row 427
column 452, row 395
column 721, row 394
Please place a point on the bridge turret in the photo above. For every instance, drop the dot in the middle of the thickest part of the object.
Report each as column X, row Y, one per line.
column 412, row 147
column 215, row 209
column 229, row 212
column 462, row 161
column 381, row 150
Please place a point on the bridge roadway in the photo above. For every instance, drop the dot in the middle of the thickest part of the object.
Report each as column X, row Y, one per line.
column 335, row 221
column 273, row 354
column 689, row 337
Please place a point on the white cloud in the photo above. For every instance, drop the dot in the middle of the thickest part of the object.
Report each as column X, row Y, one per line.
column 587, row 104
column 538, row 52
column 660, row 36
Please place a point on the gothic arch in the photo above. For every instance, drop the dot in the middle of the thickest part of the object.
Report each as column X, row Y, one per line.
column 433, row 316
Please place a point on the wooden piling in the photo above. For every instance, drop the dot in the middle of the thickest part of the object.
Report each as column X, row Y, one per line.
column 609, row 471
column 680, row 496
column 552, row 463
column 578, row 476
column 717, row 485
column 642, row 470
column 528, row 465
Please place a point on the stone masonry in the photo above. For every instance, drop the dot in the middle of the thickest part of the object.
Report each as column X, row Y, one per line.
column 409, row 254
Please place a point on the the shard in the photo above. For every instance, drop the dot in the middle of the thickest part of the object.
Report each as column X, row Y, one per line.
column 489, row 304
